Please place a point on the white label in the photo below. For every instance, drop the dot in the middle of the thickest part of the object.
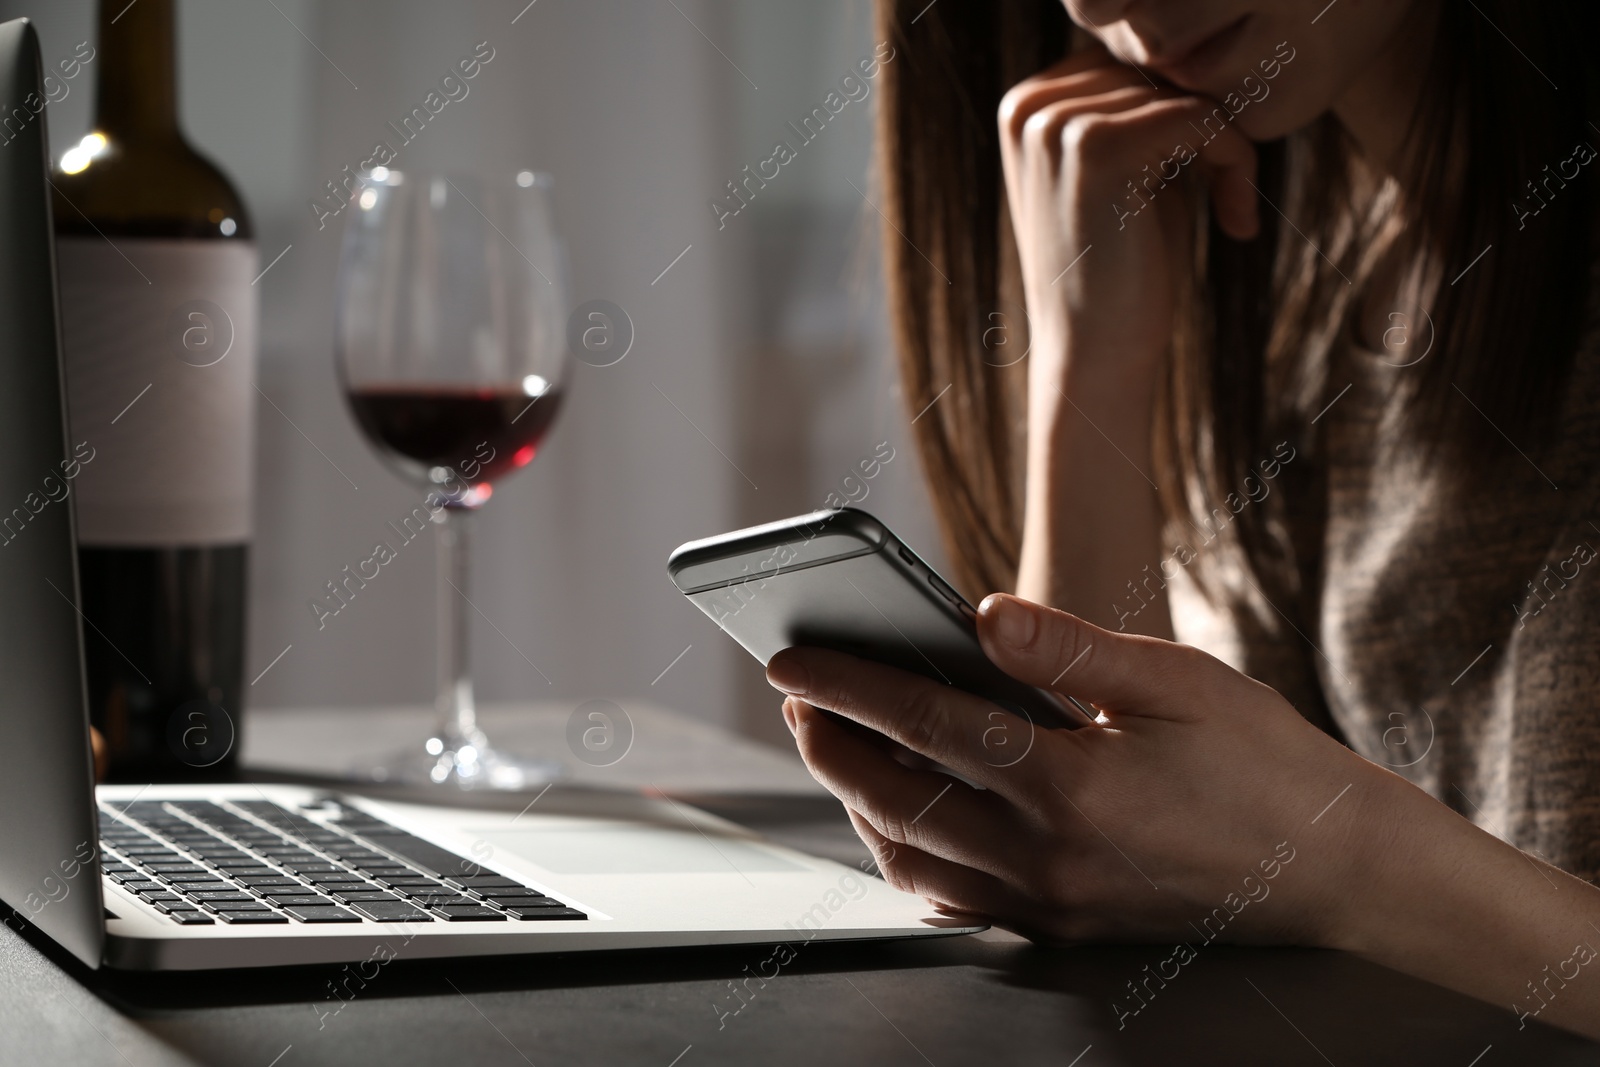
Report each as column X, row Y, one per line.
column 160, row 345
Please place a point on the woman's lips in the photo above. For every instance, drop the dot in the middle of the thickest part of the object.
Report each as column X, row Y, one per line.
column 1190, row 65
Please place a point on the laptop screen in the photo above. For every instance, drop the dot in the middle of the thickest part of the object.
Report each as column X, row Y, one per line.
column 48, row 837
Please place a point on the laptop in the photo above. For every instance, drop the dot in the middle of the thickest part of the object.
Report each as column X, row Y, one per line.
column 193, row 877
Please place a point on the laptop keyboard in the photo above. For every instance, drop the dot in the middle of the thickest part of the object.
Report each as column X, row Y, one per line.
column 253, row 862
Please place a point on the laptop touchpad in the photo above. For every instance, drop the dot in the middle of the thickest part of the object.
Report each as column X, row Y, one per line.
column 629, row 850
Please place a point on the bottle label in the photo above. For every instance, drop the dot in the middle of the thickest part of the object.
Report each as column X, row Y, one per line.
column 159, row 338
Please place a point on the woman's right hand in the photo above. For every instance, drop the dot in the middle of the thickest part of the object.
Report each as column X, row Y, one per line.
column 1072, row 139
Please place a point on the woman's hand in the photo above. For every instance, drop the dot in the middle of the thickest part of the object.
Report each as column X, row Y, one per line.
column 1202, row 807
column 1084, row 144
column 1096, row 182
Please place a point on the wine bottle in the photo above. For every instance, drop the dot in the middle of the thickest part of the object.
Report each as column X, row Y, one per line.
column 155, row 258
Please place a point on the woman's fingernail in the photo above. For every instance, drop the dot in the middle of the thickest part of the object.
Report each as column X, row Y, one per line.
column 784, row 674
column 788, row 716
column 1015, row 623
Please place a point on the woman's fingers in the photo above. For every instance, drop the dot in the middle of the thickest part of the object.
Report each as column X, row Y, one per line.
column 1027, row 98
column 1133, row 154
column 945, row 724
column 929, row 811
column 1121, row 673
column 1045, row 130
column 1161, row 129
column 948, row 885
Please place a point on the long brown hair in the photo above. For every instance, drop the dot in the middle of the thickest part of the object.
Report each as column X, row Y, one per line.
column 1259, row 319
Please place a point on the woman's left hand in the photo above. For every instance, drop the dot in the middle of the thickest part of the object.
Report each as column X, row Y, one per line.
column 1202, row 798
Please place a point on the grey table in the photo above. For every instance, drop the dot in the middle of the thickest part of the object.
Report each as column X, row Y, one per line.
column 986, row 999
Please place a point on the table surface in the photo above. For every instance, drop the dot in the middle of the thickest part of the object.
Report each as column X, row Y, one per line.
column 978, row 999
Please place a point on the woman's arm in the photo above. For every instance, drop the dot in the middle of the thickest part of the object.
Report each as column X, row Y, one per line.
column 1446, row 901
column 1203, row 808
column 1101, row 241
column 1091, row 523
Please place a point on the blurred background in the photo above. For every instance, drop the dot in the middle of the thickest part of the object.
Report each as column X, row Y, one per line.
column 760, row 373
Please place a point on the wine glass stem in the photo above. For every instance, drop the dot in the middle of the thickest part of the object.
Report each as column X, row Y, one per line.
column 458, row 718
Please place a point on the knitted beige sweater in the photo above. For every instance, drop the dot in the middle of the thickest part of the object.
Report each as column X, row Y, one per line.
column 1446, row 627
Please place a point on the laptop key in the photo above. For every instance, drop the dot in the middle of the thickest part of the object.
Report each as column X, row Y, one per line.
column 527, row 902
column 176, row 868
column 368, row 896
column 485, row 881
column 235, row 906
column 394, row 911
column 424, row 854
column 303, row 900
column 545, row 914
column 144, row 887
column 439, row 900
column 266, row 879
column 328, row 914
column 204, row 810
column 252, row 918
column 221, row 896
column 507, row 891
column 190, row 918
column 466, row 913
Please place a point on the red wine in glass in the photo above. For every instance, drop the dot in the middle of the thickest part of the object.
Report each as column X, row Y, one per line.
column 453, row 357
column 480, row 432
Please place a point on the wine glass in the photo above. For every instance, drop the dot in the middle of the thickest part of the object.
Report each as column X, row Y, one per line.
column 451, row 351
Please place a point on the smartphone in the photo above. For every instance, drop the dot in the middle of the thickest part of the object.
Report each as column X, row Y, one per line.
column 839, row 579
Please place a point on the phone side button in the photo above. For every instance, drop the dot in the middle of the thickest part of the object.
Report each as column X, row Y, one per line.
column 944, row 590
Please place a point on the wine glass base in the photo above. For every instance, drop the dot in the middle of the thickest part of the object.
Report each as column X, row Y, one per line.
column 462, row 763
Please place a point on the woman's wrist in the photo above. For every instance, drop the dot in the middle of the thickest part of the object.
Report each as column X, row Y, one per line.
column 1422, row 890
column 1400, row 886
column 1091, row 521
column 1357, row 904
column 1110, row 389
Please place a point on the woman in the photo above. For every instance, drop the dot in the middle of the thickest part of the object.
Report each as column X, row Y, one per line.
column 1311, row 386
